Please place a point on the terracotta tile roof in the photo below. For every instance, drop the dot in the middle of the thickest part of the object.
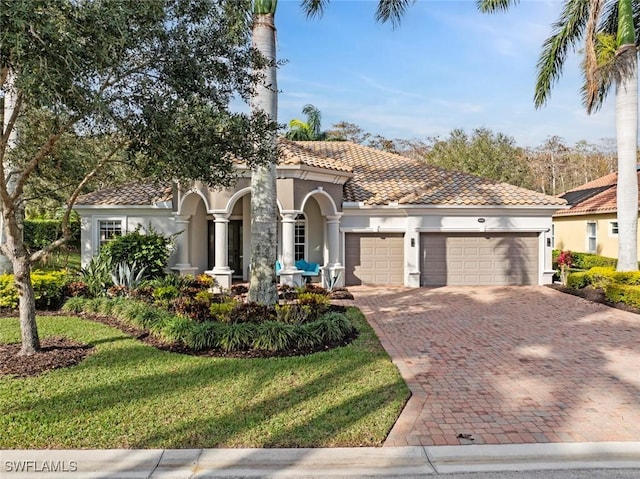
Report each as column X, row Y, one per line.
column 381, row 178
column 130, row 194
column 602, row 202
column 292, row 153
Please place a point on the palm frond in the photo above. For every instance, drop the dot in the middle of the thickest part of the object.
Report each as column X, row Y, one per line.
column 566, row 32
column 492, row 6
column 392, row 10
column 314, row 118
column 314, row 8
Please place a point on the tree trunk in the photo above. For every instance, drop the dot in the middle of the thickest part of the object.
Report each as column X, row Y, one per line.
column 627, row 139
column 264, row 210
column 27, row 303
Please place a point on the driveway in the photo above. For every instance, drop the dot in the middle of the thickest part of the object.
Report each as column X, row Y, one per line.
column 508, row 365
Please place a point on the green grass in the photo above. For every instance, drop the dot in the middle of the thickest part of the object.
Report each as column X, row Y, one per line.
column 130, row 395
column 60, row 260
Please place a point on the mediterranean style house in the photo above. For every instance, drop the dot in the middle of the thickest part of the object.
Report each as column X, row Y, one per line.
column 366, row 216
column 590, row 224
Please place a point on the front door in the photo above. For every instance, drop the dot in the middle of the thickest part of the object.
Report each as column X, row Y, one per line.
column 235, row 247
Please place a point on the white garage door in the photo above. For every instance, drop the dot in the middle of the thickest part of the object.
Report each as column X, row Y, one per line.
column 479, row 259
column 374, row 258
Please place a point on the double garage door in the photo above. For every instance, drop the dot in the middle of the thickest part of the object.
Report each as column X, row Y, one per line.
column 446, row 258
column 478, row 259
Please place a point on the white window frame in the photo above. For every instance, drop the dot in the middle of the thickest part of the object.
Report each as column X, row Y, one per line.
column 613, row 229
column 592, row 225
column 97, row 243
column 301, row 220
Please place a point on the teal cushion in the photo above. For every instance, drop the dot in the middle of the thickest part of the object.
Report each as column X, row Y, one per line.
column 303, row 265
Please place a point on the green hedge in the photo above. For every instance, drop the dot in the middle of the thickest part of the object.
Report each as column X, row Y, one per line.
column 623, row 293
column 49, row 288
column 585, row 261
column 272, row 336
column 39, row 233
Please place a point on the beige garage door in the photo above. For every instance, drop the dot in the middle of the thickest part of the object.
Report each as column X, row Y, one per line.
column 479, row 259
column 373, row 258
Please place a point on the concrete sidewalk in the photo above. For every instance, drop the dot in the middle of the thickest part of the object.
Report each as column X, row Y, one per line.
column 405, row 462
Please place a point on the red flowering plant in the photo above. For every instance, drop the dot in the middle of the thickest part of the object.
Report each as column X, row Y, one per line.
column 564, row 260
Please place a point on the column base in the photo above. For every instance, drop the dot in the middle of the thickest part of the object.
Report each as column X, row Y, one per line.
column 291, row 277
column 332, row 276
column 222, row 277
column 185, row 269
column 413, row 279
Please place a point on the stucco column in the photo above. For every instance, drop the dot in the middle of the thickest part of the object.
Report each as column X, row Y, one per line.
column 289, row 274
column 183, row 266
column 221, row 271
column 333, row 272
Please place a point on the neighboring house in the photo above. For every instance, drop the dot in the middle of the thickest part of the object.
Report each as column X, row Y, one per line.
column 590, row 224
column 367, row 216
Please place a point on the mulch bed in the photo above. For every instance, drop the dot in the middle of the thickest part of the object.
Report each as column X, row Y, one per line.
column 56, row 353
column 595, row 295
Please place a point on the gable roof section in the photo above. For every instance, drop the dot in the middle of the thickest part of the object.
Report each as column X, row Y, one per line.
column 130, row 194
column 597, row 196
column 381, row 178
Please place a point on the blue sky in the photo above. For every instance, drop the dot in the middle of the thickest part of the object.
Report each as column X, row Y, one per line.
column 447, row 66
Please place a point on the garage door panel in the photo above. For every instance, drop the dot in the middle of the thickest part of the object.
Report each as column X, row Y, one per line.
column 479, row 259
column 372, row 258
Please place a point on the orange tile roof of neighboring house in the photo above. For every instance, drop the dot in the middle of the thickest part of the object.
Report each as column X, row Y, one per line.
column 130, row 194
column 602, row 202
column 381, row 178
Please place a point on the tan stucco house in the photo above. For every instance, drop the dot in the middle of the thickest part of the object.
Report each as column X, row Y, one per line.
column 590, row 224
column 366, row 216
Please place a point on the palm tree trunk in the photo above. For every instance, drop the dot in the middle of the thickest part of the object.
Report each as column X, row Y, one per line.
column 264, row 211
column 627, row 138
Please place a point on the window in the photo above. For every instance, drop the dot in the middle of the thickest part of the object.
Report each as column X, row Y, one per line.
column 300, row 236
column 591, row 237
column 108, row 229
column 613, row 228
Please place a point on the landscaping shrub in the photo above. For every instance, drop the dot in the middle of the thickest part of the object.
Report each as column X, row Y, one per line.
column 41, row 232
column 293, row 313
column 623, row 293
column 627, row 277
column 585, row 261
column 600, row 276
column 316, row 303
column 97, row 275
column 273, row 336
column 196, row 310
column 48, row 287
column 164, row 294
column 222, row 311
column 149, row 251
column 265, row 335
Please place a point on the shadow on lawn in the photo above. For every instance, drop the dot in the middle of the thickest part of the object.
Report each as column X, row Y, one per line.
column 207, row 379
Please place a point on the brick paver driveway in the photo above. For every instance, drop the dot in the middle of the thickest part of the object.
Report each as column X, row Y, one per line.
column 503, row 365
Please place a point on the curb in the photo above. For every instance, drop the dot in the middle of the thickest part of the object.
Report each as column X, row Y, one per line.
column 388, row 462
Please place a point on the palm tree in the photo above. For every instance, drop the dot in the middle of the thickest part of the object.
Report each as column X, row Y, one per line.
column 307, row 131
column 609, row 34
column 262, row 288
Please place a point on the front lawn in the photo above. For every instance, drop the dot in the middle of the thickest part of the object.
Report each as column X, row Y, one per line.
column 130, row 395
